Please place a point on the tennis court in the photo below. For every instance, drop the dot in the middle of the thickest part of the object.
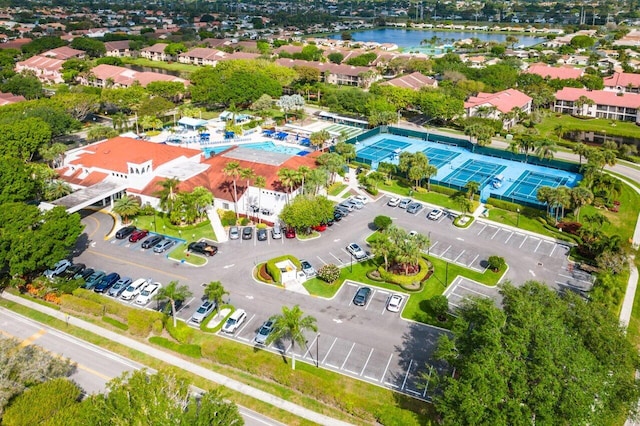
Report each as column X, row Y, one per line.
column 339, row 129
column 439, row 157
column 474, row 170
column 527, row 185
column 381, row 150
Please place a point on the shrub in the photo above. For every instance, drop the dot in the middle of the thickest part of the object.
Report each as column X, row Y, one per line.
column 114, row 322
column 274, row 271
column 181, row 332
column 394, row 416
column 406, row 281
column 329, row 273
column 496, row 263
column 263, row 275
column 110, row 306
column 507, row 205
column 244, row 221
column 67, row 287
column 227, row 217
column 382, row 222
column 141, row 322
column 439, row 305
column 261, row 226
column 157, row 327
column 77, row 304
column 192, row 351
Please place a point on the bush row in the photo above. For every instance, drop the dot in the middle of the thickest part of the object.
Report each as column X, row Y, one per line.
column 404, row 280
column 192, row 351
column 114, row 322
column 181, row 332
column 83, row 306
column 141, row 322
column 111, row 306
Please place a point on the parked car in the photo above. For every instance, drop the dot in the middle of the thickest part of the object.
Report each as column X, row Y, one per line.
column 234, row 321
column 321, row 227
column 337, row 216
column 147, row 293
column 84, row 274
column 346, row 206
column 362, row 296
column 57, row 269
column 435, row 214
column 356, row 251
column 135, row 288
column 393, row 202
column 276, row 232
column 342, row 210
column 404, row 203
column 290, row 233
column 308, row 270
column 203, row 248
column 261, row 234
column 414, row 208
column 94, row 279
column 329, row 222
column 137, row 235
column 120, row 286
column 152, row 241
column 361, row 198
column 247, row 233
column 106, row 282
column 163, row 246
column 264, row 332
column 125, row 232
column 356, row 203
column 73, row 270
column 234, row 233
column 203, row 311
column 394, row 303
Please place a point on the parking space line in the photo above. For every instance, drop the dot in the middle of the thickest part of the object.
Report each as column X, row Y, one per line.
column 319, row 258
column 328, row 352
column 473, row 291
column 508, row 238
column 474, row 259
column 525, row 239
column 496, row 233
column 426, row 387
column 434, row 244
column 386, row 368
column 538, row 246
column 555, row 246
column 348, row 355
column 370, row 299
column 406, row 376
column 366, row 362
column 186, row 304
column 480, row 231
column 459, row 255
column 334, row 256
column 442, row 255
column 309, row 347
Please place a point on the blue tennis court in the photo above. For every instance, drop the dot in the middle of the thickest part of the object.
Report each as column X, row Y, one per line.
column 439, row 157
column 474, row 170
column 527, row 185
column 381, row 150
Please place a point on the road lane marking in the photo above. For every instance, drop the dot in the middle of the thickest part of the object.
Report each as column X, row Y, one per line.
column 367, row 362
column 29, row 340
column 406, row 376
column 386, row 368
column 522, row 243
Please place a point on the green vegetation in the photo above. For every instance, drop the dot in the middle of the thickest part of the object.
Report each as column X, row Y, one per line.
column 185, row 69
column 275, row 272
column 404, row 188
column 192, row 351
column 181, row 253
column 163, row 226
column 612, row 127
column 336, row 188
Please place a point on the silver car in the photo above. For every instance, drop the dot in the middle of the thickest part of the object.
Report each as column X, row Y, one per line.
column 264, row 332
column 203, row 311
column 234, row 233
column 120, row 286
column 163, row 246
column 356, row 251
column 308, row 270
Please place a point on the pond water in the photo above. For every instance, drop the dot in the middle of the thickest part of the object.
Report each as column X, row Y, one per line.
column 409, row 40
column 598, row 138
column 152, row 69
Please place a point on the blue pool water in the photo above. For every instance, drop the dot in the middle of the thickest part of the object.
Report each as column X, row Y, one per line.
column 517, row 181
column 258, row 146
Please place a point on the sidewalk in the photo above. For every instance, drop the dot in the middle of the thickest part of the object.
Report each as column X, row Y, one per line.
column 181, row 363
column 218, row 229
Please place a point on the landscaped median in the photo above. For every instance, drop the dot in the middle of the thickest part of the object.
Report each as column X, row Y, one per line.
column 181, row 254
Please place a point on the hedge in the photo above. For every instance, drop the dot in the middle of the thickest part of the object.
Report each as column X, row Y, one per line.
column 141, row 321
column 275, row 272
column 204, row 325
column 77, row 304
column 181, row 332
column 404, row 280
column 513, row 207
column 111, row 306
column 114, row 322
column 192, row 351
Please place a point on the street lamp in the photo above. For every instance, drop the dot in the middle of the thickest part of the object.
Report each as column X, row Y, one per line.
column 351, row 268
column 518, row 218
column 318, row 350
column 429, row 246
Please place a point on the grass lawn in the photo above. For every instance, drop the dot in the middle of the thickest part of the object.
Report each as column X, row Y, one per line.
column 336, row 189
column 618, row 128
column 164, row 227
column 180, row 253
column 173, row 66
column 402, row 188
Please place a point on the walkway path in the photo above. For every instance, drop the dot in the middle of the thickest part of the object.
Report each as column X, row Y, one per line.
column 181, row 363
column 218, row 229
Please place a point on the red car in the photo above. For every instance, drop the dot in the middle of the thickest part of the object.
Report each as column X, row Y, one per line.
column 290, row 233
column 137, row 235
column 320, row 228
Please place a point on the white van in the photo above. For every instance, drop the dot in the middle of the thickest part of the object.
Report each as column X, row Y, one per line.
column 135, row 288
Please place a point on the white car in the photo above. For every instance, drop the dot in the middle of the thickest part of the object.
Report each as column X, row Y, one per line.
column 147, row 294
column 393, row 202
column 356, row 251
column 57, row 269
column 435, row 214
column 361, row 198
column 394, row 303
column 135, row 288
column 234, row 321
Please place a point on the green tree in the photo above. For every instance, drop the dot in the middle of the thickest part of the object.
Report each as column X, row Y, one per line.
column 331, row 162
column 289, row 178
column 168, row 90
column 260, row 183
column 173, row 292
column 215, row 291
column 168, row 193
column 154, row 107
column 291, row 325
column 383, row 246
column 580, row 196
column 262, row 105
column 439, row 305
column 318, row 139
column 56, row 189
column 335, row 57
column 126, row 207
column 16, row 181
column 496, row 263
column 347, row 150
column 24, row 138
column 97, row 133
column 94, row 48
column 472, row 187
column 543, row 357
column 545, row 149
column 463, row 202
column 580, row 150
column 306, row 211
column 26, row 85
column 382, row 222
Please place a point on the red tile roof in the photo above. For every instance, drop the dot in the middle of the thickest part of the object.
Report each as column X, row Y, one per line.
column 414, row 81
column 600, row 97
column 622, row 79
column 562, row 73
column 114, row 154
column 504, row 101
column 63, row 52
column 10, row 98
column 126, row 77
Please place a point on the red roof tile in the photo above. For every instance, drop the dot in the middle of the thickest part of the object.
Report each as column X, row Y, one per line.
column 622, row 79
column 562, row 73
column 414, row 81
column 504, row 101
column 600, row 97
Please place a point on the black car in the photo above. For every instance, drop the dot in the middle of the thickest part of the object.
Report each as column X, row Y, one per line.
column 362, row 296
column 106, row 282
column 337, row 217
column 125, row 232
column 247, row 233
column 152, row 241
column 84, row 274
column 203, row 248
column 73, row 270
column 261, row 234
column 329, row 222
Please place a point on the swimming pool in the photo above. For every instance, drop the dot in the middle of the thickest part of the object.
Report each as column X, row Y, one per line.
column 258, row 146
column 516, row 181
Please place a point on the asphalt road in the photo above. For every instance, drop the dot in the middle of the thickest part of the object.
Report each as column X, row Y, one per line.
column 369, row 342
column 95, row 366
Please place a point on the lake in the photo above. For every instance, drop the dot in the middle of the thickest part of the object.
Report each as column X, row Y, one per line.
column 409, row 40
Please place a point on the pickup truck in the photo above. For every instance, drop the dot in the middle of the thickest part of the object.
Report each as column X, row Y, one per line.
column 203, row 248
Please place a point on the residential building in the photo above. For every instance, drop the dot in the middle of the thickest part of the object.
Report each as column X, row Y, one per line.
column 155, row 52
column 415, row 81
column 48, row 70
column 344, row 75
column 564, row 72
column 623, row 82
column 64, row 53
column 598, row 103
column 498, row 106
column 118, row 49
column 10, row 98
column 201, row 56
column 106, row 76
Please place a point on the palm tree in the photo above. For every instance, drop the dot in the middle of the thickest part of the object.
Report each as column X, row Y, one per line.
column 232, row 169
column 288, row 179
column 291, row 324
column 580, row 196
column 316, row 180
column 201, row 198
column 174, row 293
column 559, row 130
column 384, row 247
column 464, row 203
column 57, row 189
column 260, row 182
column 429, row 172
column 545, row 195
column 545, row 149
column 303, row 172
column 247, row 173
column 126, row 207
column 610, row 158
column 472, row 187
column 580, row 150
column 562, row 200
column 215, row 291
column 168, row 193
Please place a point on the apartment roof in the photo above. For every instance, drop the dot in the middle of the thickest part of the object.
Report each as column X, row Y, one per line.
column 324, row 66
column 10, row 98
column 126, row 77
column 547, row 71
column 117, row 45
column 622, row 79
column 156, row 48
column 413, row 81
column 504, row 101
column 203, row 53
column 42, row 62
column 63, row 52
column 600, row 97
